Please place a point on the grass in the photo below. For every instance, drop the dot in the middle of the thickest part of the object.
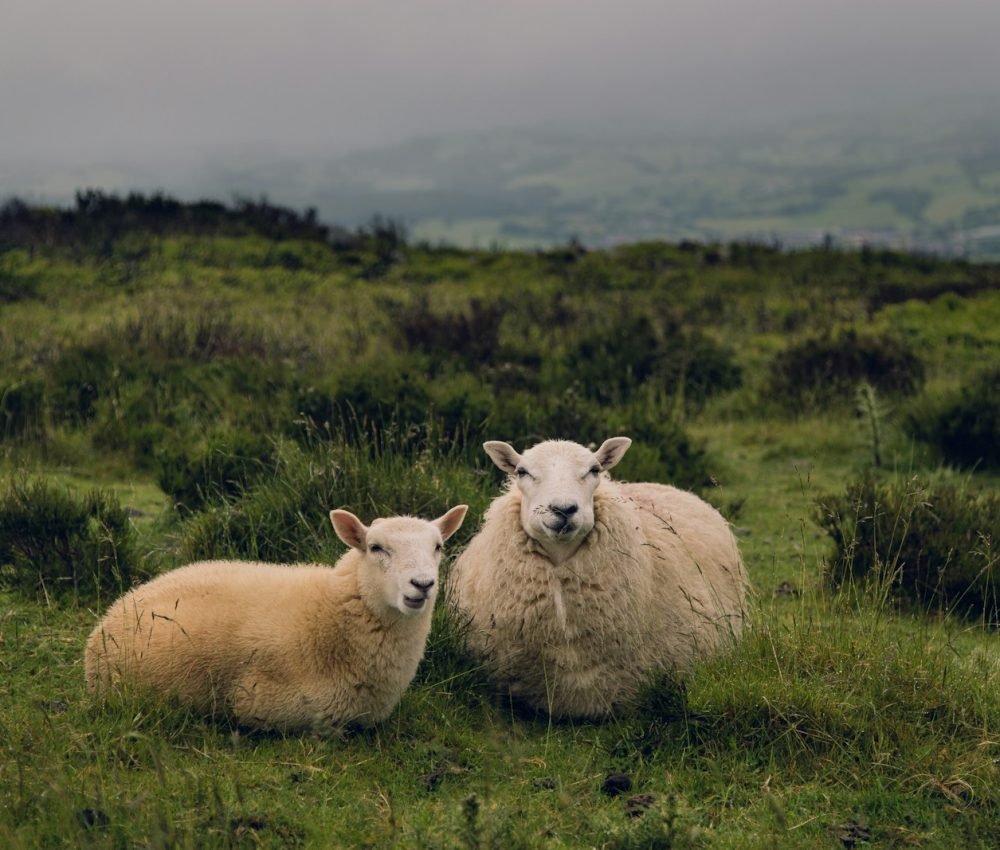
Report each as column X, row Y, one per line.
column 839, row 721
column 820, row 718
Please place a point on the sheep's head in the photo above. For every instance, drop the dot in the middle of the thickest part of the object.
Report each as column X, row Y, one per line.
column 557, row 480
column 401, row 556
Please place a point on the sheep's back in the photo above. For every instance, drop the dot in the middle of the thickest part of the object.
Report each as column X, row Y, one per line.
column 693, row 555
column 192, row 630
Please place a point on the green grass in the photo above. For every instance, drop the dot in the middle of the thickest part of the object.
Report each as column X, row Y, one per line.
column 819, row 718
column 837, row 718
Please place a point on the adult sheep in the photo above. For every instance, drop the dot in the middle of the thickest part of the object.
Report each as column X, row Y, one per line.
column 578, row 589
column 282, row 647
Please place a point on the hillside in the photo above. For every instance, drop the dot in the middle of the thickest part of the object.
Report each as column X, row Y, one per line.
column 181, row 381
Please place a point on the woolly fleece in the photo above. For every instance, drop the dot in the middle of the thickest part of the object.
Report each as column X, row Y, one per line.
column 656, row 585
column 279, row 647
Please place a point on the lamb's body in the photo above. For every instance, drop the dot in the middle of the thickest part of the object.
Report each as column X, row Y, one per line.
column 656, row 584
column 274, row 646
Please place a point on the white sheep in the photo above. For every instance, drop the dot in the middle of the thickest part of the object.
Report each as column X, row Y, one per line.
column 578, row 590
column 302, row 647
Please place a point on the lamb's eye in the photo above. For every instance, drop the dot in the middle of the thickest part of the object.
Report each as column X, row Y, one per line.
column 375, row 549
column 522, row 472
column 437, row 547
column 595, row 470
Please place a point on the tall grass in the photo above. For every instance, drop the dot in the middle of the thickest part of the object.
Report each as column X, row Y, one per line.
column 56, row 547
column 284, row 516
column 919, row 542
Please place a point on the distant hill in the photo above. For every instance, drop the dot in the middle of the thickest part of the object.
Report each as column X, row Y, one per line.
column 923, row 178
column 927, row 181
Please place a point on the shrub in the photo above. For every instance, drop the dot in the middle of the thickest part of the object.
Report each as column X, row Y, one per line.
column 630, row 351
column 56, row 546
column 662, row 450
column 471, row 335
column 929, row 544
column 361, row 401
column 78, row 378
column 828, row 368
column 965, row 428
column 386, row 406
column 22, row 410
column 222, row 468
column 14, row 284
column 286, row 517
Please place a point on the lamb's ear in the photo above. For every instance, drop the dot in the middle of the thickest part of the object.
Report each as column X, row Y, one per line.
column 451, row 521
column 611, row 451
column 349, row 528
column 503, row 455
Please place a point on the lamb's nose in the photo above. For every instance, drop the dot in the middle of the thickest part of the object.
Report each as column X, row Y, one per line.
column 567, row 509
column 422, row 584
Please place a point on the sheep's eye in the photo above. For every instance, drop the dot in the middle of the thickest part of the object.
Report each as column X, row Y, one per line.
column 595, row 470
column 437, row 547
column 375, row 549
column 522, row 472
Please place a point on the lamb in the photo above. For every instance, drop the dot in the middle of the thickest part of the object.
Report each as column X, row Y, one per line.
column 579, row 590
column 288, row 648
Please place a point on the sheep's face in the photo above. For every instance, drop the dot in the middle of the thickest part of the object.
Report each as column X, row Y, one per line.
column 557, row 480
column 401, row 556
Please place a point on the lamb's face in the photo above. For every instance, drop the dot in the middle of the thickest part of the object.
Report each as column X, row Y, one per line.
column 401, row 555
column 557, row 480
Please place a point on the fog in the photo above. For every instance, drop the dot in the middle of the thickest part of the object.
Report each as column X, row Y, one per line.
column 124, row 82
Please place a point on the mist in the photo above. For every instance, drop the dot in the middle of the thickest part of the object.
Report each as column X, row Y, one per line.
column 162, row 86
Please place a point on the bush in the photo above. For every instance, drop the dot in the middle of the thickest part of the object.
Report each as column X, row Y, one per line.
column 55, row 546
column 925, row 544
column 662, row 450
column 965, row 429
column 361, row 401
column 471, row 335
column 828, row 368
column 630, row 351
column 222, row 468
column 78, row 379
column 14, row 284
column 22, row 410
column 286, row 517
column 391, row 407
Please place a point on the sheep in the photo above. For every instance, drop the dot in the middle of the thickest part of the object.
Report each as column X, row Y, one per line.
column 578, row 590
column 279, row 647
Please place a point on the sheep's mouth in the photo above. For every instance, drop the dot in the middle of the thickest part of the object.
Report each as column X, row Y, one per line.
column 414, row 603
column 560, row 527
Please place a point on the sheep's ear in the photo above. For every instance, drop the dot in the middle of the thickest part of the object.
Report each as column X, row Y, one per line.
column 611, row 451
column 349, row 528
column 451, row 521
column 503, row 455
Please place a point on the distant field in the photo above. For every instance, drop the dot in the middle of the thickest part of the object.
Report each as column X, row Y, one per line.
column 925, row 181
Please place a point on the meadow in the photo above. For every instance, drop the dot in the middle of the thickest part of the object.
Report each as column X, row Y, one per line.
column 180, row 381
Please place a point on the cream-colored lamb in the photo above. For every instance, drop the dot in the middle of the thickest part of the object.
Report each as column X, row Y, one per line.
column 304, row 647
column 579, row 589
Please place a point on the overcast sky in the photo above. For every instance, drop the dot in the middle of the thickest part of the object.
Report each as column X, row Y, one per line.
column 107, row 79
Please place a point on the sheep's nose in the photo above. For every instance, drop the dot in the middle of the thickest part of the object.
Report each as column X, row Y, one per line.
column 422, row 584
column 567, row 509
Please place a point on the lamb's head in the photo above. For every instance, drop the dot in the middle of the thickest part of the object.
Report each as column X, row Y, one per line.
column 400, row 556
column 557, row 480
